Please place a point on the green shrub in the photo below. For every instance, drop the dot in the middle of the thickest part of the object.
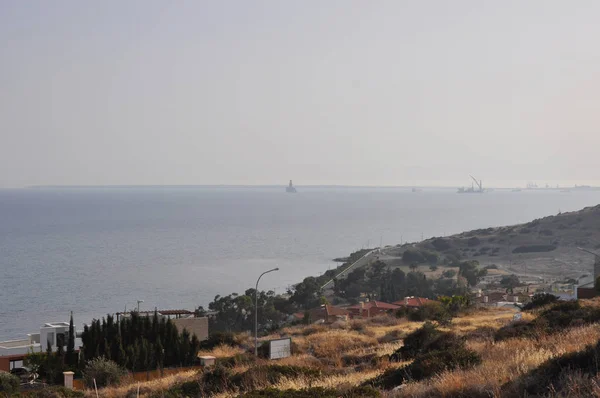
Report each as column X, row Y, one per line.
column 426, row 338
column 217, row 379
column 218, row 338
column 238, row 359
column 430, row 312
column 8, row 383
column 558, row 317
column 441, row 244
column 474, row 241
column 104, row 371
column 411, row 256
column 534, row 249
column 540, row 300
column 425, row 366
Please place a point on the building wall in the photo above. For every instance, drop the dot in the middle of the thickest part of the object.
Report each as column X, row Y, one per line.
column 586, row 293
column 49, row 334
column 197, row 326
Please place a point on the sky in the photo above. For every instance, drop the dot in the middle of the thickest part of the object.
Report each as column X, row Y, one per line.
column 322, row 92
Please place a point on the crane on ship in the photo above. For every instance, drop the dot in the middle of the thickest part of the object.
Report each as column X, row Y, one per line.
column 477, row 183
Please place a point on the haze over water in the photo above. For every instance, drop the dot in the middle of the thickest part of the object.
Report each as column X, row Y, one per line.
column 96, row 251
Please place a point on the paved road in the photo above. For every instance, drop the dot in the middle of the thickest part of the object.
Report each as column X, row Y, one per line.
column 361, row 262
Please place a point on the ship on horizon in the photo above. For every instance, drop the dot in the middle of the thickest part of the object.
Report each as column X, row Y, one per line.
column 290, row 188
column 473, row 189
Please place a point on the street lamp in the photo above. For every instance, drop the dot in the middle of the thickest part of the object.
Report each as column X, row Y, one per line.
column 138, row 302
column 256, row 311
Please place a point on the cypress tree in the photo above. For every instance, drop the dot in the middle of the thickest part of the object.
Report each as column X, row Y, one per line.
column 160, row 356
column 71, row 343
column 194, row 349
column 184, row 347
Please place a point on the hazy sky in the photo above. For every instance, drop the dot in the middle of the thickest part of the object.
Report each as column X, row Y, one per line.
column 323, row 92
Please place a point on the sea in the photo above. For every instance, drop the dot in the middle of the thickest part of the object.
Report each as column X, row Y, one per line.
column 97, row 251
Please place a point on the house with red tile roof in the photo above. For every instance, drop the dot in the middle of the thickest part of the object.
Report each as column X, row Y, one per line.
column 371, row 308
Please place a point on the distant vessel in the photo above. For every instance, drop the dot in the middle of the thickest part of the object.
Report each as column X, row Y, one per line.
column 290, row 188
column 517, row 190
column 473, row 189
column 417, row 190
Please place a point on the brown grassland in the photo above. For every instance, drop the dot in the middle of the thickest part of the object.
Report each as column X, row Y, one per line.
column 338, row 351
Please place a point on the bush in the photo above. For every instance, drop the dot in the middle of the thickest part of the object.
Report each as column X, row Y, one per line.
column 413, row 256
column 534, row 249
column 547, row 377
column 425, row 366
column 430, row 312
column 449, row 273
column 558, row 317
column 217, row 379
column 441, row 244
column 218, row 338
column 9, row 384
column 540, row 300
column 426, row 338
column 474, row 241
column 105, row 371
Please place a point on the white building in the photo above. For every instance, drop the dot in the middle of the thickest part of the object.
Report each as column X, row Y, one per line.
column 13, row 351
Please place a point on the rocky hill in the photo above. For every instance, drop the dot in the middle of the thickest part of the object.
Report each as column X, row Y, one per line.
column 547, row 246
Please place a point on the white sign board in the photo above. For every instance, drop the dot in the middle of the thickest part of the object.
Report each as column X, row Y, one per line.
column 281, row 348
column 517, row 316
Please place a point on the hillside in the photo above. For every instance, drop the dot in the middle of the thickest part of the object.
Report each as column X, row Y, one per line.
column 532, row 357
column 547, row 246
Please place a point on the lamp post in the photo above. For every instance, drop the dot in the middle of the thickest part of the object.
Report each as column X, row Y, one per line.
column 138, row 307
column 256, row 311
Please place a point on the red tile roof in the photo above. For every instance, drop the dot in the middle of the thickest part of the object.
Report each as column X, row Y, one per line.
column 413, row 301
column 375, row 304
column 336, row 311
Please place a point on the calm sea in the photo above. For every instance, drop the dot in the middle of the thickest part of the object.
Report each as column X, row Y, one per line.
column 98, row 251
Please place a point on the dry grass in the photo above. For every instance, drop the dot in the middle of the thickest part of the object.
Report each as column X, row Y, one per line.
column 154, row 385
column 223, row 351
column 323, row 347
column 504, row 361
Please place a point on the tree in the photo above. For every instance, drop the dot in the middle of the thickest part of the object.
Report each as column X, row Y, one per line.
column 307, row 293
column 450, row 273
column 71, row 360
column 510, row 281
column 413, row 267
column 471, row 272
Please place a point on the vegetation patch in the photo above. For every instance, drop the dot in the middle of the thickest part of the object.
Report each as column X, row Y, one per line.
column 549, row 377
column 540, row 300
column 8, row 383
column 427, row 365
column 426, row 338
column 558, row 317
column 534, row 249
column 105, row 372
column 314, row 392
